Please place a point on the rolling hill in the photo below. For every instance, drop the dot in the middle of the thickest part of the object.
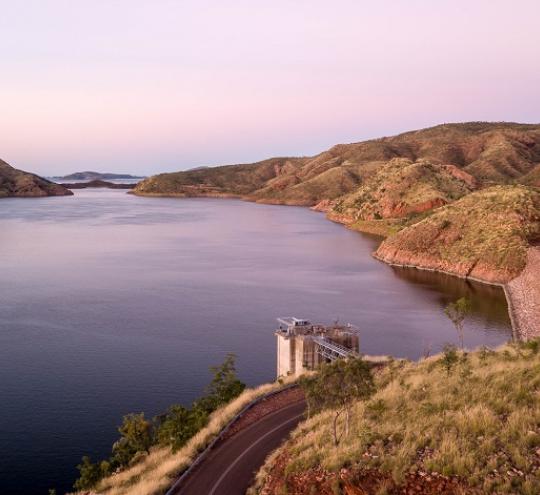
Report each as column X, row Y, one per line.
column 492, row 153
column 460, row 198
column 17, row 183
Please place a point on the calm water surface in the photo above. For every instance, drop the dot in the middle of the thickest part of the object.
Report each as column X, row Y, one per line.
column 111, row 303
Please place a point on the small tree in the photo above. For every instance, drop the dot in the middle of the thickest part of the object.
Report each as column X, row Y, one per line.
column 224, row 386
column 90, row 474
column 179, row 425
column 136, row 436
column 450, row 358
column 457, row 312
column 337, row 386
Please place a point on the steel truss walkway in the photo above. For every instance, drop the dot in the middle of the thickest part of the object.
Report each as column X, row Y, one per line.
column 331, row 350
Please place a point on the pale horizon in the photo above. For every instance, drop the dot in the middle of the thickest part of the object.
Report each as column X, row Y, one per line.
column 141, row 88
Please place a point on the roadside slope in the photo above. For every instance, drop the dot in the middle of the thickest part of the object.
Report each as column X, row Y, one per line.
column 451, row 424
column 156, row 471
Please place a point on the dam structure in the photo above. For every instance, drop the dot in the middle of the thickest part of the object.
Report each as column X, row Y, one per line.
column 303, row 346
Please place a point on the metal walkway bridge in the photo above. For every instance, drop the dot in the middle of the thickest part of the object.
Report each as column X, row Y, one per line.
column 331, row 350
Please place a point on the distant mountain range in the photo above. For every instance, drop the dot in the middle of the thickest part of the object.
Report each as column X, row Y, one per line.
column 89, row 175
column 492, row 153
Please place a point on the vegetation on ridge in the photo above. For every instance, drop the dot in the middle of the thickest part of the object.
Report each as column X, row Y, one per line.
column 468, row 421
column 154, row 472
column 490, row 152
column 174, row 428
column 402, row 187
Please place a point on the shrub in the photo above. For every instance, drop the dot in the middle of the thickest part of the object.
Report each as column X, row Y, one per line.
column 90, row 473
column 135, row 436
column 449, row 358
column 173, row 428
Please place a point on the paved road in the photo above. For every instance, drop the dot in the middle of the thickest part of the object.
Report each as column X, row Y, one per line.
column 229, row 469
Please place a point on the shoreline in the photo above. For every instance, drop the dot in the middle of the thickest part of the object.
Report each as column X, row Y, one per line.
column 524, row 314
column 516, row 330
column 523, row 296
column 515, row 291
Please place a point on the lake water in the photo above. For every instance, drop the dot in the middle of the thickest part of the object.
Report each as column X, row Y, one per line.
column 111, row 303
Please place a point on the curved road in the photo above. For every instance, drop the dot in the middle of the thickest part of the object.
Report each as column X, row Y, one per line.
column 230, row 467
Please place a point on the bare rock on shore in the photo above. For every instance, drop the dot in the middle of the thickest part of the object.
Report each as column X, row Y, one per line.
column 524, row 297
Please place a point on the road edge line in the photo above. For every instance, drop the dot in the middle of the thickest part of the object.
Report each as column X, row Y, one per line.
column 200, row 457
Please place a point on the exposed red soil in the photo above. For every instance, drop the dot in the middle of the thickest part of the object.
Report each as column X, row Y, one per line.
column 358, row 481
column 403, row 209
column 475, row 270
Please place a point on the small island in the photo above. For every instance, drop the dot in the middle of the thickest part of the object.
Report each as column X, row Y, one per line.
column 99, row 184
column 90, row 176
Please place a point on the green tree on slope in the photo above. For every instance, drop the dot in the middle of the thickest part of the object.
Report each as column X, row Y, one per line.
column 135, row 436
column 224, row 386
column 90, row 474
column 338, row 386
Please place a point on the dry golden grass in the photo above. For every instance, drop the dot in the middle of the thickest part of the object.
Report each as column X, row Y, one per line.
column 481, row 423
column 155, row 472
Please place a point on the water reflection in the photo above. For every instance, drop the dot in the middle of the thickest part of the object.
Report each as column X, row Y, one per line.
column 487, row 301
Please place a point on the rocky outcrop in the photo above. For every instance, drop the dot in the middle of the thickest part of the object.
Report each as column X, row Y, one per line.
column 355, row 481
column 483, row 236
column 402, row 188
column 16, row 183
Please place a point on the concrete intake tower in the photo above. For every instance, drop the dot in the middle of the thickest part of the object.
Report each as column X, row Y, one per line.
column 303, row 346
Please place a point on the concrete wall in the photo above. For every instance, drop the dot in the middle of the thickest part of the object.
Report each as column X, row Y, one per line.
column 285, row 355
column 306, row 356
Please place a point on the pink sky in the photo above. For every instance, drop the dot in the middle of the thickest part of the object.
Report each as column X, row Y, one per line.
column 149, row 86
